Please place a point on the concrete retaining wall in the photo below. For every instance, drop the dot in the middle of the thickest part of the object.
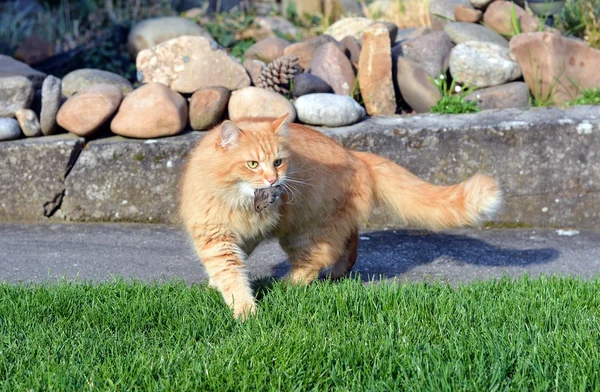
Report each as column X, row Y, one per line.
column 547, row 161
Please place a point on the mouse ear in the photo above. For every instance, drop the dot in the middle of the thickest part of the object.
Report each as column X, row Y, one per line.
column 278, row 125
column 229, row 134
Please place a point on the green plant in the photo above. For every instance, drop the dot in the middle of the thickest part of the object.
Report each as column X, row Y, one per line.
column 453, row 98
column 513, row 19
column 582, row 19
column 588, row 97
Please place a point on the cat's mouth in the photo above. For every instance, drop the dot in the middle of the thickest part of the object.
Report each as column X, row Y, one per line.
column 264, row 197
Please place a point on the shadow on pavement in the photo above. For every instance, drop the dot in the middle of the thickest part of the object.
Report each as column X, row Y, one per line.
column 389, row 254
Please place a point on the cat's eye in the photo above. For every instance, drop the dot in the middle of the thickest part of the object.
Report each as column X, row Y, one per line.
column 252, row 164
column 277, row 162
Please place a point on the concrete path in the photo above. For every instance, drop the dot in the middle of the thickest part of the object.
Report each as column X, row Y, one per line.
column 98, row 252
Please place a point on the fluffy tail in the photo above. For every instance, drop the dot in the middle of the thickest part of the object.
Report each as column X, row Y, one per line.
column 432, row 207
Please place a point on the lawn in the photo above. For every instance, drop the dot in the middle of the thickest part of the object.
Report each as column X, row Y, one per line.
column 526, row 334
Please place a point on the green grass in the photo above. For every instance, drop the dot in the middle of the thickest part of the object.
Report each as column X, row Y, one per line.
column 528, row 334
column 453, row 97
column 588, row 97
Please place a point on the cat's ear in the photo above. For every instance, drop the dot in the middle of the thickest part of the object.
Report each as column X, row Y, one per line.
column 230, row 134
column 278, row 126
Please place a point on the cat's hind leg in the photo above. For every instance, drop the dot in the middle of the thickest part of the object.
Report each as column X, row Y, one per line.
column 346, row 261
column 309, row 253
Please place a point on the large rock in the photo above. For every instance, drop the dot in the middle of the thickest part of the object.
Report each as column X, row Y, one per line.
column 356, row 27
column 480, row 4
column 482, row 64
column 266, row 50
column 429, row 50
column 86, row 77
column 187, row 63
column 33, row 49
column 151, row 32
column 9, row 129
column 127, row 180
column 12, row 67
column 441, row 12
column 16, row 92
column 29, row 123
column 330, row 110
column 32, row 179
column 258, row 102
column 509, row 95
column 498, row 17
column 254, row 68
column 460, row 32
column 415, row 86
column 305, row 83
column 51, row 101
column 375, row 76
column 556, row 68
column 150, row 111
column 331, row 64
column 306, row 49
column 89, row 109
column 353, row 48
column 207, row 107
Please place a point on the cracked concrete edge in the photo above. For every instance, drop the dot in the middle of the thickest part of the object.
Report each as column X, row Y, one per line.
column 544, row 159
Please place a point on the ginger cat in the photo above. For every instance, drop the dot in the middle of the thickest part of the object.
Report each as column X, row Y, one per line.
column 327, row 192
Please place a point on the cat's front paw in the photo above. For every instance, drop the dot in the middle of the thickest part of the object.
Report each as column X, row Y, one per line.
column 244, row 310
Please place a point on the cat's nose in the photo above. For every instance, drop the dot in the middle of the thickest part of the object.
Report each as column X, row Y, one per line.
column 271, row 180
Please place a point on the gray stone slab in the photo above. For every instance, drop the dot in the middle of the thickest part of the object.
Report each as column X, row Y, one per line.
column 32, row 175
column 101, row 252
column 130, row 180
column 546, row 160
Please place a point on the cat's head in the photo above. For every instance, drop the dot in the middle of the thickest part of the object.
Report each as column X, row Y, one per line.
column 253, row 153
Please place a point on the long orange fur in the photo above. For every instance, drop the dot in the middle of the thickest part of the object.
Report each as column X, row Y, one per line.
column 328, row 192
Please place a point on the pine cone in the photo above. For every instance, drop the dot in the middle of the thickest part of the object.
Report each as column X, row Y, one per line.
column 277, row 75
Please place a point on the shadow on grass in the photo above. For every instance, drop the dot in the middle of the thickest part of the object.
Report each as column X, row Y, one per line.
column 389, row 254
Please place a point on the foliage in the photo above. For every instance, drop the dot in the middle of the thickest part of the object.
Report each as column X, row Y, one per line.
column 502, row 335
column 582, row 19
column 453, row 98
column 588, row 97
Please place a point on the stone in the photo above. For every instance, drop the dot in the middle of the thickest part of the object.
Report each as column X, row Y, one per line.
column 33, row 49
column 32, row 179
column 305, row 83
column 460, row 32
column 29, row 123
column 128, row 180
column 9, row 129
column 86, row 77
column 429, row 50
column 482, row 64
column 331, row 64
column 330, row 110
column 188, row 63
column 151, row 32
column 480, row 4
column 375, row 76
column 412, row 33
column 273, row 25
column 353, row 48
column 16, row 92
column 415, row 86
column 441, row 12
column 12, row 67
column 207, row 107
column 463, row 13
column 257, row 102
column 498, row 17
column 556, row 68
column 153, row 110
column 51, row 101
column 509, row 95
column 266, row 50
column 355, row 27
column 86, row 111
column 306, row 49
column 254, row 68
